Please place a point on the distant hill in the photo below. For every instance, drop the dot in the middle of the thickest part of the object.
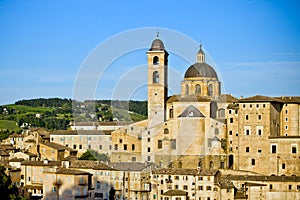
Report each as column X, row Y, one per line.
column 57, row 113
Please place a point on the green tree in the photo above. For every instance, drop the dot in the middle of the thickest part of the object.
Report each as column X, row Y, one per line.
column 100, row 156
column 87, row 156
column 7, row 190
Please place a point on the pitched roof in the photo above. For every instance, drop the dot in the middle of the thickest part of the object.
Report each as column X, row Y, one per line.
column 81, row 132
column 71, row 171
column 129, row 166
column 183, row 171
column 189, row 98
column 175, row 193
column 97, row 165
column 259, row 98
column 57, row 146
column 290, row 99
column 41, row 163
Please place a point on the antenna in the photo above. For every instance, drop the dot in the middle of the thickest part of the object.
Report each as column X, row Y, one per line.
column 157, row 33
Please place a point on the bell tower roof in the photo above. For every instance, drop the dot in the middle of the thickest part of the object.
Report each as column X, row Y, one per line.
column 157, row 45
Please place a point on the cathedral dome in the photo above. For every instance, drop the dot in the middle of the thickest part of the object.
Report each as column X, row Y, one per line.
column 157, row 45
column 200, row 69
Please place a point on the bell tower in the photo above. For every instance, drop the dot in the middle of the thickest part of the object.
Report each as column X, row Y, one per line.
column 157, row 82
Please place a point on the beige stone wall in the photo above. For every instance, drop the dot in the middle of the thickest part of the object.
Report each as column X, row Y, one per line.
column 290, row 120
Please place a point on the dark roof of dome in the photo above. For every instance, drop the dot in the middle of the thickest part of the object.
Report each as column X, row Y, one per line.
column 200, row 70
column 157, row 45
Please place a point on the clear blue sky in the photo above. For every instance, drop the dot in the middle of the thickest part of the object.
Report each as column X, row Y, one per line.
column 255, row 44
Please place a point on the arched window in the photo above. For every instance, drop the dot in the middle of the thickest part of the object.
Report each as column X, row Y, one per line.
column 211, row 165
column 198, row 89
column 221, row 113
column 155, row 77
column 210, row 90
column 180, row 164
column 186, row 90
column 155, row 60
column 216, row 131
column 166, row 131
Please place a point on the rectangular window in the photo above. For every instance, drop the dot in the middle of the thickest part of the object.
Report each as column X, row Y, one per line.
column 200, row 187
column 90, row 146
column 271, row 187
column 173, row 144
column 290, row 187
column 230, row 132
column 208, row 188
column 247, row 130
column 273, row 148
column 148, row 139
column 231, row 120
column 149, row 149
column 283, row 165
column 159, row 144
column 247, row 117
column 185, row 187
column 253, row 161
column 98, row 184
column 100, row 146
column 116, row 147
column 294, row 149
column 259, row 117
column 132, row 147
column 125, row 147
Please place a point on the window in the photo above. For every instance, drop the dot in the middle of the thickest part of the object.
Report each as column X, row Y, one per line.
column 74, row 146
column 273, row 148
column 216, row 131
column 253, row 161
column 259, row 117
column 290, row 187
column 231, row 120
column 53, row 189
column 148, row 158
column 294, row 149
column 283, row 166
column 208, row 188
column 166, row 131
column 116, row 147
column 100, row 146
column 155, row 60
column 149, row 149
column 185, row 187
column 257, row 105
column 250, row 105
column 229, row 111
column 89, row 146
column 171, row 114
column 230, row 132
column 244, row 105
column 210, row 90
column 264, row 105
column 173, row 144
column 271, row 186
column 247, row 117
column 155, row 77
column 286, row 119
column 286, row 111
column 200, row 187
column 176, row 187
column 259, row 130
column 198, row 89
column 259, row 151
column 98, row 184
column 286, row 127
column 120, row 141
column 222, row 166
column 132, row 147
column 125, row 147
column 186, row 90
column 247, row 130
column 159, row 144
column 80, row 146
column 247, row 149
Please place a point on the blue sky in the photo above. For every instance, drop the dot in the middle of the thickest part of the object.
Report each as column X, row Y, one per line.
column 255, row 45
